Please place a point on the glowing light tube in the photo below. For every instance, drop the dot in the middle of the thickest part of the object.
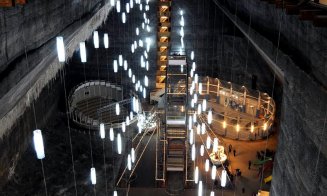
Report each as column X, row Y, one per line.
column 38, row 144
column 125, row 65
column 119, row 143
column 96, row 39
column 200, row 189
column 213, row 172
column 120, row 60
column 193, row 152
column 111, row 134
column 137, row 31
column 208, row 142
column 212, row 193
column 196, row 78
column 93, row 176
column 209, row 117
column 207, row 165
column 198, row 129
column 133, row 155
column 204, row 105
column 129, row 162
column 127, row 120
column 82, row 51
column 215, row 145
column 129, row 73
column 223, row 178
column 106, row 40
column 123, row 127
column 146, row 81
column 118, row 6
column 115, row 193
column 123, row 18
column 102, row 131
column 131, row 2
column 200, row 88
column 192, row 55
column 127, row 8
column 203, row 128
column 117, row 109
column 199, row 109
column 191, row 137
column 61, row 49
column 112, row 2
column 202, row 150
column 196, row 174
column 115, row 66
column 193, row 66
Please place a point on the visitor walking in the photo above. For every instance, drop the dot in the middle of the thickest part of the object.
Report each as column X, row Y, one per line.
column 250, row 163
column 230, row 148
column 234, row 151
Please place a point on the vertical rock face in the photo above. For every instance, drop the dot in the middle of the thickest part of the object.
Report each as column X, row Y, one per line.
column 30, row 26
column 300, row 167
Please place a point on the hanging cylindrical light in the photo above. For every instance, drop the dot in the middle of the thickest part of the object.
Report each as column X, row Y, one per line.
column 144, row 92
column 146, row 81
column 133, row 78
column 111, row 134
column 148, row 28
column 196, row 78
column 182, row 68
column 252, row 127
column 133, row 155
column 93, row 176
column 212, row 193
column 120, row 60
column 210, row 117
column 196, row 174
column 131, row 113
column 193, row 66
column 96, row 39
column 127, row 8
column 117, row 109
column 129, row 73
column 131, row 2
column 123, row 18
column 200, row 87
column 123, row 127
column 112, row 2
column 208, row 142
column 191, row 136
column 195, row 97
column 200, row 189
column 191, row 73
column 192, row 55
column 82, row 50
column 207, row 165
column 194, row 117
column 147, row 65
column 213, row 172
column 141, row 7
column 61, row 49
column 115, row 66
column 127, row 120
column 118, row 6
column 125, row 65
column 223, row 178
column 119, row 143
column 224, row 124
column 193, row 152
column 102, row 131
column 204, row 105
column 190, row 122
column 203, row 128
column 199, row 109
column 137, row 31
column 115, row 193
column 129, row 162
column 38, row 144
column 132, row 48
column 265, row 126
column 215, row 145
column 198, row 129
column 106, row 40
column 202, row 150
column 182, row 21
column 237, row 128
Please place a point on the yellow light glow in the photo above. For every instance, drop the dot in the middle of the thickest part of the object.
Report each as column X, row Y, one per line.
column 224, row 124
column 237, row 127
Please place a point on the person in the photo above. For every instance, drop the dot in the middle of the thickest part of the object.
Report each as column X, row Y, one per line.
column 255, row 136
column 230, row 148
column 234, row 151
column 250, row 163
column 243, row 190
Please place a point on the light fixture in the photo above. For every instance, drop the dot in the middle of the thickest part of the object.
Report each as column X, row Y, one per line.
column 123, row 127
column 237, row 127
column 120, row 60
column 252, row 127
column 190, row 122
column 224, row 124
column 191, row 136
column 127, row 8
column 204, row 105
column 127, row 120
column 133, row 155
column 111, row 134
column 210, row 117
column 131, row 2
column 82, row 50
column 93, row 176
column 131, row 113
column 123, row 18
column 61, row 49
column 196, row 174
column 181, row 12
column 117, row 109
column 96, row 39
column 193, row 65
column 195, row 98
column 133, row 78
column 137, row 31
column 223, row 178
column 182, row 69
column 207, row 165
column 203, row 128
column 192, row 55
column 125, row 65
column 132, row 48
column 198, row 129
column 115, row 193
column 200, row 88
column 112, row 2
column 115, row 66
column 202, row 150
column 215, row 145
column 196, row 78
column 147, row 65
column 129, row 73
column 212, row 193
column 265, row 126
column 118, row 6
column 146, row 81
column 200, row 189
column 119, row 143
column 148, row 28
column 106, row 40
column 208, row 142
column 141, row 7
column 182, row 21
column 144, row 92
column 181, row 32
column 199, row 109
column 147, row 7
column 102, row 131
column 193, row 152
column 194, row 117
column 38, row 144
column 213, row 172
column 129, row 162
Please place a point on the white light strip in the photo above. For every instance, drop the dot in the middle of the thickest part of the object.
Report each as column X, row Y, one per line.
column 38, row 144
column 82, row 51
column 119, row 143
column 96, row 39
column 93, row 176
column 106, row 40
column 61, row 49
column 102, row 131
